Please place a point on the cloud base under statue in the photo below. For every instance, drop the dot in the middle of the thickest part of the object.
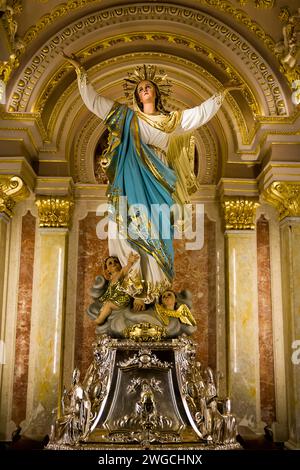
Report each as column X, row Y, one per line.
column 120, row 320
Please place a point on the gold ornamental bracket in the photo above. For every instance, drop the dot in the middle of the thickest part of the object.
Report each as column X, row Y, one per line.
column 145, row 332
column 12, row 190
column 11, row 44
column 7, row 67
column 239, row 212
column 285, row 197
column 54, row 211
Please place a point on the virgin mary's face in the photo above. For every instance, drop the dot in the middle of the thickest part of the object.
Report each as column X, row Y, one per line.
column 146, row 92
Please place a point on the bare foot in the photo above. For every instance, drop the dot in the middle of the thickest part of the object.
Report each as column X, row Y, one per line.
column 99, row 321
column 139, row 305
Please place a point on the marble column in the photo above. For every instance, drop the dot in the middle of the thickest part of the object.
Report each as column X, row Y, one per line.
column 285, row 196
column 242, row 310
column 12, row 190
column 4, row 231
column 48, row 315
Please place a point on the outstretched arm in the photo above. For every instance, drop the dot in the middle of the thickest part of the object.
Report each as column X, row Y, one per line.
column 200, row 115
column 132, row 258
column 96, row 103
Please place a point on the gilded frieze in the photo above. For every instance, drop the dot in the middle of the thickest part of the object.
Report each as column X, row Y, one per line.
column 208, row 24
column 60, row 10
column 224, row 5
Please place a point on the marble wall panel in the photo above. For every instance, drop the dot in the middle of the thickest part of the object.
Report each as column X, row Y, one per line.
column 242, row 326
column 23, row 319
column 196, row 271
column 266, row 361
column 91, row 255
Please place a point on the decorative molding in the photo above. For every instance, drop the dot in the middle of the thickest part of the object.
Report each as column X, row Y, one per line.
column 82, row 144
column 59, row 11
column 228, row 7
column 192, row 17
column 12, row 190
column 264, row 3
column 54, row 211
column 260, row 3
column 25, row 117
column 239, row 212
column 285, row 197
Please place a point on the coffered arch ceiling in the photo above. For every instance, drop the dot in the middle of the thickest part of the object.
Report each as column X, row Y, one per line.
column 200, row 48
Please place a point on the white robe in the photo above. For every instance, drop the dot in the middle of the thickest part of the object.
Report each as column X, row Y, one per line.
column 147, row 267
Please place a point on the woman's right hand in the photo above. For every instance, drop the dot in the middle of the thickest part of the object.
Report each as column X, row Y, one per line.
column 72, row 59
column 233, row 85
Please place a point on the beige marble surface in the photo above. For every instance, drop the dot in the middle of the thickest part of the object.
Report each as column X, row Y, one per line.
column 279, row 426
column 290, row 247
column 4, row 232
column 46, row 342
column 242, row 327
column 4, row 227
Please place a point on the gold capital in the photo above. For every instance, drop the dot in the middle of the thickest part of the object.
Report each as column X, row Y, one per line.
column 12, row 190
column 239, row 212
column 285, row 197
column 54, row 211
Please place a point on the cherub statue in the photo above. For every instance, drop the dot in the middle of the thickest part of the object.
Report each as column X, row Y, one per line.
column 115, row 297
column 167, row 308
column 289, row 47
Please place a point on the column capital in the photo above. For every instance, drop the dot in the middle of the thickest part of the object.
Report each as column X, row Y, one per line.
column 55, row 211
column 12, row 190
column 285, row 197
column 278, row 171
column 239, row 212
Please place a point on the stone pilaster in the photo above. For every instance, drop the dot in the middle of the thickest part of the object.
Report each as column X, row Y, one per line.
column 12, row 190
column 285, row 197
column 48, row 314
column 242, row 308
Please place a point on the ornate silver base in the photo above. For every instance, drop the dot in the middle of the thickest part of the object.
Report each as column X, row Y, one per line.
column 145, row 395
